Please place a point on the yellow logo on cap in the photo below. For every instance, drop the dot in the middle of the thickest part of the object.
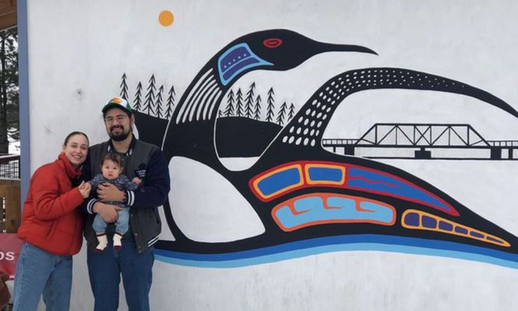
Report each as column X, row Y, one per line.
column 116, row 100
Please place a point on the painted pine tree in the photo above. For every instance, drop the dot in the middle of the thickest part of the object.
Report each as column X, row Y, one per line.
column 239, row 103
column 292, row 112
column 170, row 103
column 281, row 113
column 257, row 113
column 249, row 101
column 150, row 97
column 159, row 102
column 124, row 87
column 230, row 107
column 138, row 97
column 271, row 106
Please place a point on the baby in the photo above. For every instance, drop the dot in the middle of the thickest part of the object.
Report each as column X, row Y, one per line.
column 111, row 168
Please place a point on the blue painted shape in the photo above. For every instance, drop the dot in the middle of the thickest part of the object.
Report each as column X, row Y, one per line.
column 237, row 59
column 278, row 181
column 325, row 174
column 392, row 186
column 312, row 210
column 412, row 219
column 476, row 234
column 495, row 240
column 343, row 209
column 359, row 242
column 429, row 222
column 445, row 226
column 461, row 230
column 376, row 212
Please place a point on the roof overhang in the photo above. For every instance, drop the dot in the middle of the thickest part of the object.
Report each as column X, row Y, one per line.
column 7, row 14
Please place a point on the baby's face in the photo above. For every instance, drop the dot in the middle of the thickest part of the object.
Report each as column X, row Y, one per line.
column 110, row 169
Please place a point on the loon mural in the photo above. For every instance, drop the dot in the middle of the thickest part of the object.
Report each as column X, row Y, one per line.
column 299, row 198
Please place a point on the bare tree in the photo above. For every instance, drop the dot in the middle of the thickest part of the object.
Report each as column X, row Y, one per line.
column 269, row 109
column 230, row 107
column 124, row 88
column 150, row 97
column 257, row 113
column 281, row 113
column 170, row 103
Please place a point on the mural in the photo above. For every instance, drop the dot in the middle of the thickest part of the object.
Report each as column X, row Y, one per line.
column 298, row 194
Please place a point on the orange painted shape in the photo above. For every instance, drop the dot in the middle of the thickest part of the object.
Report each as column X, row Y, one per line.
column 454, row 224
column 166, row 18
column 325, row 196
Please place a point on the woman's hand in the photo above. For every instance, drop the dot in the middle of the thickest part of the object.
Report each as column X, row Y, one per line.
column 84, row 189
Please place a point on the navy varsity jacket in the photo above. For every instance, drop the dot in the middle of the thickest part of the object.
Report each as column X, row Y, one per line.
column 142, row 160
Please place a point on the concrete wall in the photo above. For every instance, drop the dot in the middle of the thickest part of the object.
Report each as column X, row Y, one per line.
column 79, row 51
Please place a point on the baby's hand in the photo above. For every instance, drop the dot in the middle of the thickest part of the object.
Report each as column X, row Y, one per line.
column 136, row 181
column 84, row 189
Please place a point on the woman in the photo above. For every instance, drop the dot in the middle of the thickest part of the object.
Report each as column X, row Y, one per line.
column 51, row 229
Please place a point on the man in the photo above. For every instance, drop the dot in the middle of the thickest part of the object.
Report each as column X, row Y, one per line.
column 135, row 259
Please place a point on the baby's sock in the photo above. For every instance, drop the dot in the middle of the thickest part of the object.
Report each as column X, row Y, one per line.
column 103, row 241
column 117, row 244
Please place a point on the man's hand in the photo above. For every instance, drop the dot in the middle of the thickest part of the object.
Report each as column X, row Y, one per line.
column 107, row 192
column 107, row 212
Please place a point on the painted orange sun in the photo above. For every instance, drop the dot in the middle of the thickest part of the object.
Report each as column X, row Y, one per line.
column 166, row 18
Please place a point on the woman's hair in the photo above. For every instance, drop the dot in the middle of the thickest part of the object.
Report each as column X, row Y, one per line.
column 74, row 134
column 114, row 157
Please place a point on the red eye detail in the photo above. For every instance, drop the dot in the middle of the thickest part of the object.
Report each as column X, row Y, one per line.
column 272, row 43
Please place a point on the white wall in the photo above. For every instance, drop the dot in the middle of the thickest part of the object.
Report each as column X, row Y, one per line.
column 78, row 50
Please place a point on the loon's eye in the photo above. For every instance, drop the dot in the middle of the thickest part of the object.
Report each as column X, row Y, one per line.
column 272, row 43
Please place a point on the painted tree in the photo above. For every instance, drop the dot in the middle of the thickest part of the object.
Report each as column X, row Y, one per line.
column 138, row 97
column 239, row 103
column 271, row 106
column 124, row 87
column 281, row 113
column 170, row 103
column 257, row 113
column 292, row 112
column 159, row 102
column 230, row 106
column 249, row 101
column 150, row 97
column 9, row 99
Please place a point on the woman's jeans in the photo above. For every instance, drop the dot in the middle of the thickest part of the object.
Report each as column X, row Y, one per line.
column 39, row 272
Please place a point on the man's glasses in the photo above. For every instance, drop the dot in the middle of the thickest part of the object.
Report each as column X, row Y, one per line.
column 120, row 118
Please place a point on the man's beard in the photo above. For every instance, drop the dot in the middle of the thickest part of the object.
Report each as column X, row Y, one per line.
column 119, row 137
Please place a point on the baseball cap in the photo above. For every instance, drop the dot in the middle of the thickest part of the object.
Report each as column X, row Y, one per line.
column 118, row 102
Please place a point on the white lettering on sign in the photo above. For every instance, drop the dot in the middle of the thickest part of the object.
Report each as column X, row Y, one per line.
column 7, row 256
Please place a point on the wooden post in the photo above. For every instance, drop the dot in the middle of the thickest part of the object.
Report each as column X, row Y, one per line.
column 10, row 193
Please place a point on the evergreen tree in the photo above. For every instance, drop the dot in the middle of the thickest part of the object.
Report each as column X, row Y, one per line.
column 269, row 109
column 239, row 103
column 292, row 112
column 150, row 97
column 124, row 88
column 257, row 114
column 9, row 91
column 138, row 97
column 159, row 102
column 230, row 107
column 281, row 113
column 249, row 101
column 170, row 103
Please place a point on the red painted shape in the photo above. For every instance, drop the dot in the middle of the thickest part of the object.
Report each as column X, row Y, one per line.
column 272, row 43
